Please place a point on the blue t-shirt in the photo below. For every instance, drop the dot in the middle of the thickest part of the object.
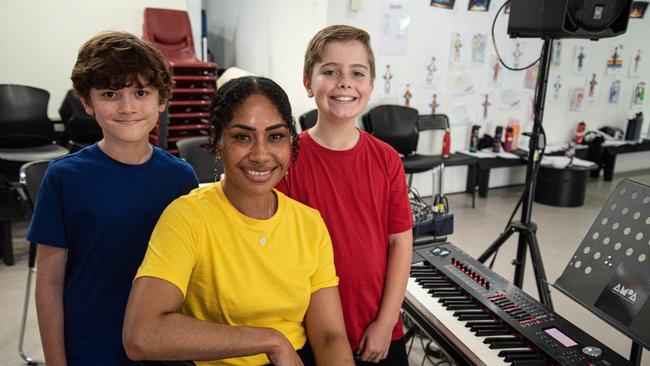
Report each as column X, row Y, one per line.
column 103, row 212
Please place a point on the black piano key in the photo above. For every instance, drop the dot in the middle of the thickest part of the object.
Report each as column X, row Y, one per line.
column 495, row 326
column 474, row 322
column 455, row 300
column 506, row 344
column 451, row 307
column 492, row 332
column 504, row 353
column 445, row 293
column 523, row 358
column 529, row 363
column 475, row 315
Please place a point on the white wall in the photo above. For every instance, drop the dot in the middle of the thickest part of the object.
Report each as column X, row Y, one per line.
column 40, row 39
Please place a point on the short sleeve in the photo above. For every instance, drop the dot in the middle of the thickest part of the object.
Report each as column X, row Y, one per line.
column 325, row 274
column 47, row 225
column 400, row 217
column 174, row 245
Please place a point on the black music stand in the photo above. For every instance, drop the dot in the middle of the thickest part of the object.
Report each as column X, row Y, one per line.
column 609, row 274
column 526, row 228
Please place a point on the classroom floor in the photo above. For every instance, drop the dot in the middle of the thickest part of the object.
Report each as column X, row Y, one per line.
column 560, row 231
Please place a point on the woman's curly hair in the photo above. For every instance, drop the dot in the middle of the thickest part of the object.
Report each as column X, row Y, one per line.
column 233, row 93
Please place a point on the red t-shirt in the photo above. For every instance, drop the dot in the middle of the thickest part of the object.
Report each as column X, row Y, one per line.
column 361, row 194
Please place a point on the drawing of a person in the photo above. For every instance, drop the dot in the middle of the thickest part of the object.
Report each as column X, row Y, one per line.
column 458, row 44
column 387, row 76
column 434, row 104
column 431, row 68
column 486, row 103
column 407, row 96
column 581, row 57
column 592, row 85
column 517, row 55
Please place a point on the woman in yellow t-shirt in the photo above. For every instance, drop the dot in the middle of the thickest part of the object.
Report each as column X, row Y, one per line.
column 237, row 273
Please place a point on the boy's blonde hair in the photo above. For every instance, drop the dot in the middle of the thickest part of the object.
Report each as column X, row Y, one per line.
column 340, row 33
column 114, row 60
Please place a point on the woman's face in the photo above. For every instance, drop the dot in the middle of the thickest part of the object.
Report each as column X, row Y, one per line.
column 256, row 147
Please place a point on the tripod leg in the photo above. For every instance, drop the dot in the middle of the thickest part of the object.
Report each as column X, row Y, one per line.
column 496, row 245
column 520, row 262
column 538, row 269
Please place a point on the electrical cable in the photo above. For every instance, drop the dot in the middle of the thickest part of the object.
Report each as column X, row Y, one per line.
column 494, row 44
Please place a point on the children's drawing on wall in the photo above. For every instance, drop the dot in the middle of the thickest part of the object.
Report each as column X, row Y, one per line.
column 457, row 44
column 638, row 94
column 614, row 94
column 386, row 82
column 462, row 83
column 638, row 9
column 495, row 72
column 388, row 76
column 509, row 99
column 395, row 20
column 443, row 4
column 592, row 82
column 635, row 63
column 485, row 106
column 478, row 5
column 430, row 73
column 406, row 96
column 579, row 59
column 517, row 54
column 462, row 115
column 479, row 44
column 434, row 104
column 530, row 77
column 556, row 57
column 556, row 89
column 614, row 60
column 531, row 108
column 576, row 99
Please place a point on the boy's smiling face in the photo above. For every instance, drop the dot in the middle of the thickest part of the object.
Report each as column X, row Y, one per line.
column 341, row 82
column 125, row 115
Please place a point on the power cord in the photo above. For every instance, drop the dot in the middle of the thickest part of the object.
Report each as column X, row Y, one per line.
column 494, row 43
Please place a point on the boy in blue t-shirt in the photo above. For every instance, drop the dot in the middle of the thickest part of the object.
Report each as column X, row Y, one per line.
column 96, row 208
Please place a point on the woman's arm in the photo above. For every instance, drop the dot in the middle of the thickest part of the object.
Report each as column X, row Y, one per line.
column 376, row 339
column 154, row 330
column 49, row 302
column 326, row 328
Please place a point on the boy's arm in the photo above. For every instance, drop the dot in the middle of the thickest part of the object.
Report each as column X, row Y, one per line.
column 376, row 339
column 49, row 302
column 326, row 328
column 154, row 330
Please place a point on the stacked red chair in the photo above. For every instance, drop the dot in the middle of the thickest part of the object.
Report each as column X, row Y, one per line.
column 190, row 107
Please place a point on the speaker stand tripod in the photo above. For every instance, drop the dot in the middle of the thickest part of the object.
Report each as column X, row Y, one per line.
column 527, row 229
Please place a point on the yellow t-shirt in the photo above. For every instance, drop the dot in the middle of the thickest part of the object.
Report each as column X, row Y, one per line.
column 240, row 271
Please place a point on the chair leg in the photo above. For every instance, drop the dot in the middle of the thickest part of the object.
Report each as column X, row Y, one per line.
column 409, row 180
column 28, row 292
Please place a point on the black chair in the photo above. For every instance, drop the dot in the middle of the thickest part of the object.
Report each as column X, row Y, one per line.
column 196, row 151
column 81, row 129
column 398, row 126
column 31, row 177
column 308, row 120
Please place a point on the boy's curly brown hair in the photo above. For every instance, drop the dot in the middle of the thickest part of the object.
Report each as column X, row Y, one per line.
column 114, row 60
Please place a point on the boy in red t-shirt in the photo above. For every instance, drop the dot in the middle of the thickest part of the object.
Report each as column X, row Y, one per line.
column 357, row 183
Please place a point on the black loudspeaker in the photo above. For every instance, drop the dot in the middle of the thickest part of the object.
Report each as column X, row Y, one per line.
column 592, row 19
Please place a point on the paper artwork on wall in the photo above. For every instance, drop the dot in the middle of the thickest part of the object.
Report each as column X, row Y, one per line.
column 509, row 99
column 591, row 87
column 406, row 96
column 430, row 73
column 579, row 59
column 556, row 57
column 394, row 25
column 576, row 99
column 385, row 81
column 478, row 5
column 614, row 94
column 495, row 69
column 517, row 54
column 531, row 108
column 530, row 77
column 638, row 9
column 462, row 115
column 443, row 4
column 615, row 60
column 433, row 105
column 486, row 103
column 556, row 89
column 636, row 62
column 638, row 94
column 479, row 45
column 456, row 51
column 462, row 83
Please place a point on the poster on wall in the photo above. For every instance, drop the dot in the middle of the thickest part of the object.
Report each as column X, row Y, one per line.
column 509, row 99
column 556, row 56
column 638, row 94
column 636, row 62
column 615, row 60
column 431, row 103
column 479, row 45
column 443, row 4
column 462, row 82
column 430, row 72
column 457, row 54
column 580, row 56
column 614, row 92
column 486, row 103
column 638, row 9
column 495, row 71
column 592, row 91
column 386, row 81
column 530, row 77
column 478, row 5
column 407, row 96
column 394, row 27
column 555, row 89
column 576, row 99
column 517, row 54
column 462, row 115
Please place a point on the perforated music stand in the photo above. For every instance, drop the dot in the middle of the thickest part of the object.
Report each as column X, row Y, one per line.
column 609, row 274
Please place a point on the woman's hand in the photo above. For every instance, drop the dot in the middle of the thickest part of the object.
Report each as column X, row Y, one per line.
column 375, row 342
column 283, row 353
